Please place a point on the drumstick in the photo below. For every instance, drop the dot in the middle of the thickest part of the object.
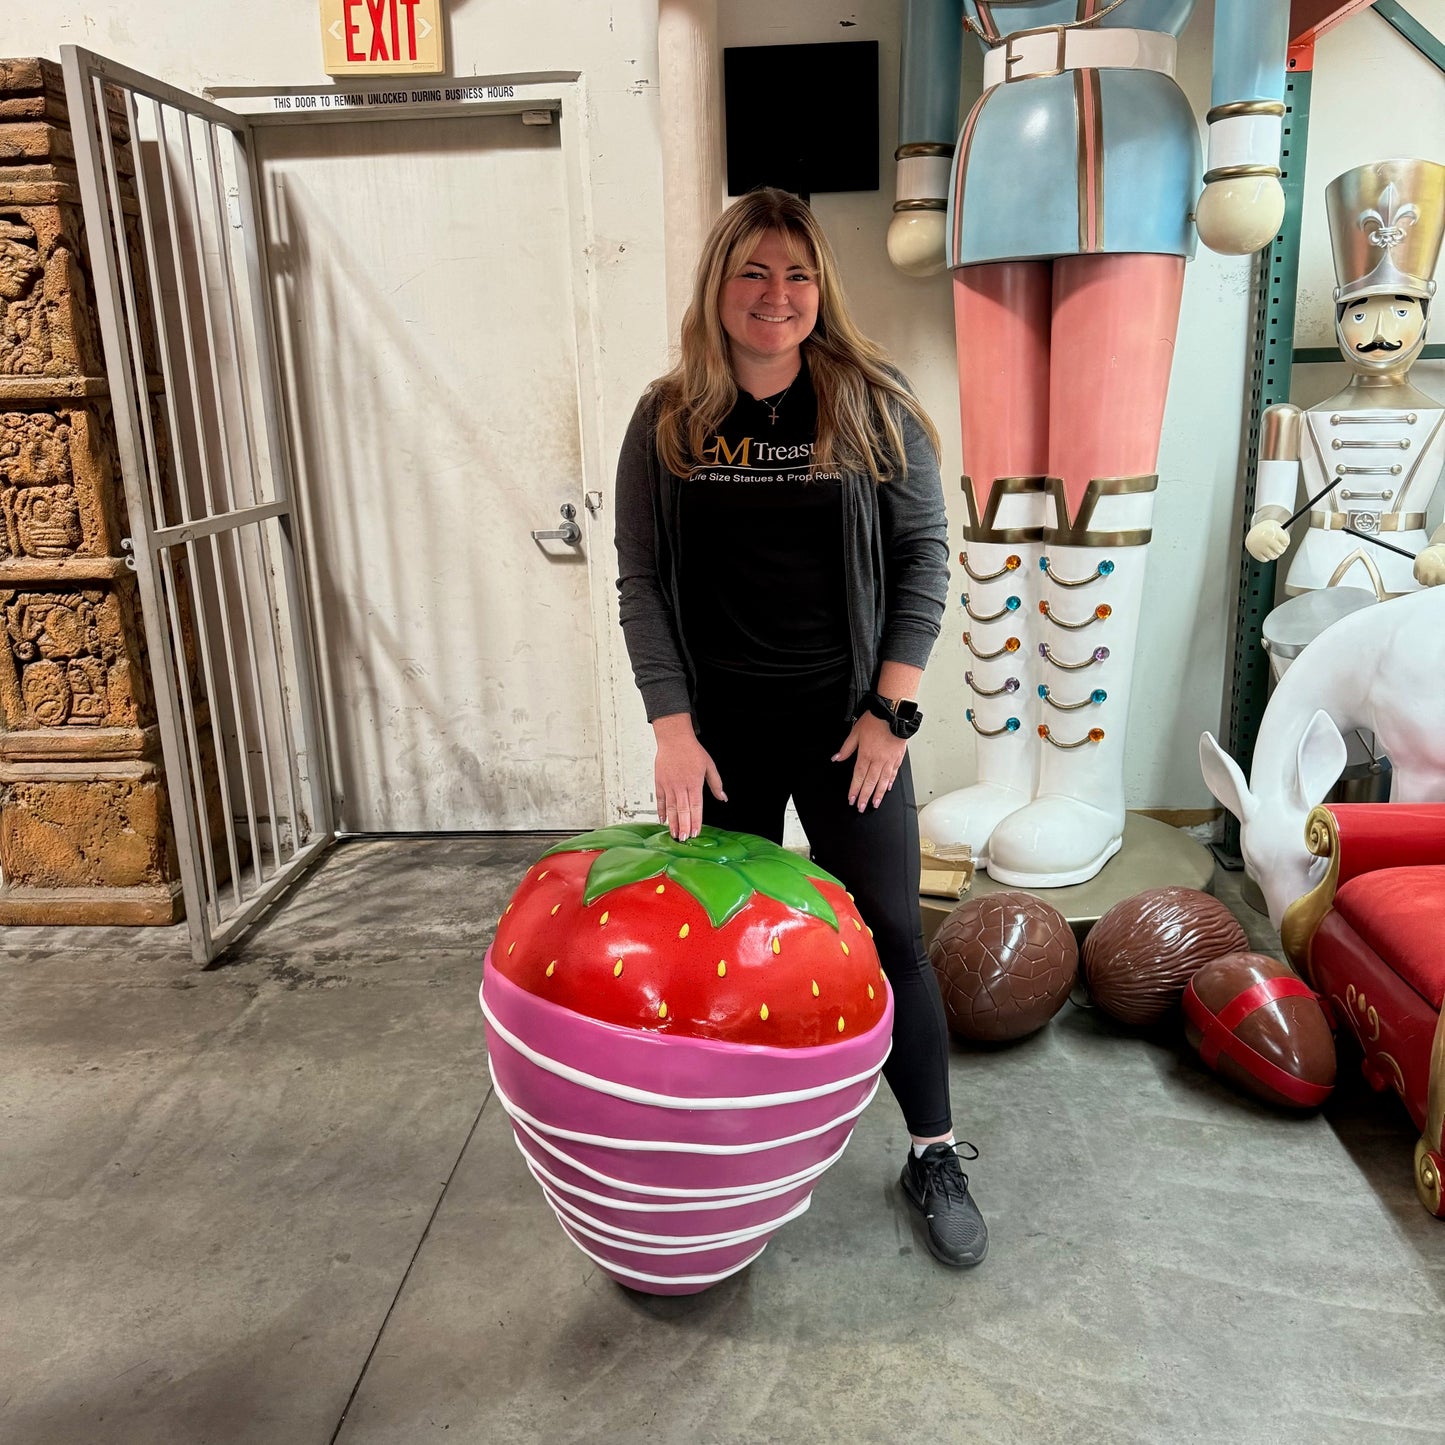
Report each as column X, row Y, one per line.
column 1318, row 497
column 1388, row 546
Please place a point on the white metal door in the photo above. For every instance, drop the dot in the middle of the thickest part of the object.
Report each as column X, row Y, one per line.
column 426, row 321
column 168, row 187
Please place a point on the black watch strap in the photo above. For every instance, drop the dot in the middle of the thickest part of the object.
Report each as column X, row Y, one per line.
column 903, row 717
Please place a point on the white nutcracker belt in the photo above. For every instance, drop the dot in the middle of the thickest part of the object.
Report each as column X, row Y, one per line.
column 1053, row 49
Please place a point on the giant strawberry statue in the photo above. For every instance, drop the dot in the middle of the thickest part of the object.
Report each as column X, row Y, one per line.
column 682, row 1034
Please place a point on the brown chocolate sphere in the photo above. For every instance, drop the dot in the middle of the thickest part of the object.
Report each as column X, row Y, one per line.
column 1005, row 965
column 1141, row 953
column 1258, row 1025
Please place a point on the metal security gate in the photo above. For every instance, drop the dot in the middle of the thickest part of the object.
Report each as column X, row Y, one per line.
column 169, row 192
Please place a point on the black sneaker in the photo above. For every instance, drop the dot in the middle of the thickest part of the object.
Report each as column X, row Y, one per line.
column 938, row 1188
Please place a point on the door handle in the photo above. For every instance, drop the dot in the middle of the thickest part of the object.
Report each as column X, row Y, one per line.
column 569, row 532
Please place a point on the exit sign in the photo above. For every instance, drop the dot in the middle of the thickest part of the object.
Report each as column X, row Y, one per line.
column 382, row 37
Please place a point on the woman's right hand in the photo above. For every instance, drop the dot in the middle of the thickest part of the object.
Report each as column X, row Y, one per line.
column 681, row 768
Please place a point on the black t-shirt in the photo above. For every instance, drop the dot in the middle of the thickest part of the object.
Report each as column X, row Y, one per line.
column 763, row 587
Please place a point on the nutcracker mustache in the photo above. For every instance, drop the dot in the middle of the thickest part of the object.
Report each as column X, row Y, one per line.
column 1365, row 347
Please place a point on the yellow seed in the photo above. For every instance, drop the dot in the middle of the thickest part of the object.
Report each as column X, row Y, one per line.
column 543, row 874
column 662, row 1010
column 603, row 919
column 510, row 947
column 763, row 1013
column 851, row 899
column 870, row 933
column 551, row 968
column 777, row 947
column 506, row 910
column 661, row 888
column 617, row 969
column 815, row 988
column 870, row 990
column 845, row 948
column 722, row 968
column 555, row 907
column 684, row 930
column 856, row 924
column 840, row 1023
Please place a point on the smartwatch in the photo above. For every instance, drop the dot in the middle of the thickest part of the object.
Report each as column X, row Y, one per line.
column 903, row 715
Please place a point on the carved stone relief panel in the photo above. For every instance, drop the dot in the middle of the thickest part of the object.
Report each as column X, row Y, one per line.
column 71, row 659
column 56, row 473
column 46, row 326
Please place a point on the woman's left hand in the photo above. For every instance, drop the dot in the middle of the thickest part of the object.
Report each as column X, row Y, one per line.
column 879, row 756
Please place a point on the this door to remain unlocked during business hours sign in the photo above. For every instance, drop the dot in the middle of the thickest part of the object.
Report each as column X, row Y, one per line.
column 382, row 37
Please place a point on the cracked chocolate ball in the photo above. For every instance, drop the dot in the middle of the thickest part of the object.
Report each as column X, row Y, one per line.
column 1141, row 953
column 1005, row 965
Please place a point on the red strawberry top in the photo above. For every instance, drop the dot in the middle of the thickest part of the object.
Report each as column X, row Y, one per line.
column 725, row 936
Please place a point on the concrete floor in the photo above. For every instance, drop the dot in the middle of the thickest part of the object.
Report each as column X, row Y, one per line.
column 274, row 1203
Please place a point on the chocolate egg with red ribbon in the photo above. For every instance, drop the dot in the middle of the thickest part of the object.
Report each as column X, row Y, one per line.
column 1260, row 1026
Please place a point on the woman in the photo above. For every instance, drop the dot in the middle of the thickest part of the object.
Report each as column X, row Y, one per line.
column 783, row 571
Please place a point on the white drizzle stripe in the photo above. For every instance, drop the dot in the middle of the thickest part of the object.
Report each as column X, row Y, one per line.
column 629, row 1187
column 676, row 1244
column 666, row 1146
column 615, row 1234
column 549, row 1181
column 670, row 1101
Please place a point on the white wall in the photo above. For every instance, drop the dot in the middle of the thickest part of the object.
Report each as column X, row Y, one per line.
column 1373, row 96
column 1181, row 686
column 196, row 44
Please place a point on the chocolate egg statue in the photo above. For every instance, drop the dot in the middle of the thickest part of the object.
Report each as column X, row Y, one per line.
column 682, row 1035
column 1141, row 953
column 1005, row 965
column 1261, row 1027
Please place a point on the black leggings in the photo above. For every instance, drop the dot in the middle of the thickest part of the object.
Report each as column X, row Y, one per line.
column 765, row 753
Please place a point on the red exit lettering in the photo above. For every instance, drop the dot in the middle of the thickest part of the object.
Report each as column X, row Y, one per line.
column 384, row 18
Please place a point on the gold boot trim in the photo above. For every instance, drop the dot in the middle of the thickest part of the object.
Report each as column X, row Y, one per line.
column 985, row 528
column 1011, row 605
column 1011, row 725
column 1011, row 564
column 1094, row 699
column 1078, row 533
column 1094, row 735
column 1011, row 644
column 1099, row 654
column 1101, row 613
column 1011, row 684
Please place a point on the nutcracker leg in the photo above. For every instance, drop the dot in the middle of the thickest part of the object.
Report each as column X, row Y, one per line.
column 1114, row 319
column 1003, row 317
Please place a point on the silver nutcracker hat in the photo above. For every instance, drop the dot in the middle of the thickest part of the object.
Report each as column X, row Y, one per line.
column 1387, row 220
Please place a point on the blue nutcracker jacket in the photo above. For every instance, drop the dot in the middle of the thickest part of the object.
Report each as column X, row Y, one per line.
column 1082, row 141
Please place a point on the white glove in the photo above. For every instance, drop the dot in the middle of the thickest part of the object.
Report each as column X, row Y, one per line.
column 1266, row 541
column 915, row 242
column 1430, row 565
column 1237, row 217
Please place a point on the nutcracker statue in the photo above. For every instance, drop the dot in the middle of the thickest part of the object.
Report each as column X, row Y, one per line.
column 1371, row 456
column 1066, row 211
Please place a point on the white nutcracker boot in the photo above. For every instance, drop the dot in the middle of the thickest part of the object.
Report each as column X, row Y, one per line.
column 1000, row 595
column 1088, row 620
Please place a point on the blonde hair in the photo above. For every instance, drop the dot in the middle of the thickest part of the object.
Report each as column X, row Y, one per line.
column 860, row 398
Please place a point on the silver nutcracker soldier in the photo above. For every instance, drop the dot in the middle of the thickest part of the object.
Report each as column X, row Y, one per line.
column 1370, row 456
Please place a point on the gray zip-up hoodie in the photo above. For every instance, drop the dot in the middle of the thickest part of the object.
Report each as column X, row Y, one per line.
column 896, row 556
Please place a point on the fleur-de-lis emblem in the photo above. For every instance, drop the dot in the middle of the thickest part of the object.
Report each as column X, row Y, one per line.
column 1386, row 227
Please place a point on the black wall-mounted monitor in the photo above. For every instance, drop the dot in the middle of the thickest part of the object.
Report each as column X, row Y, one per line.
column 802, row 117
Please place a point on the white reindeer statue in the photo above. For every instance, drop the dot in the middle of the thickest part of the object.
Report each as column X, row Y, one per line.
column 1380, row 669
